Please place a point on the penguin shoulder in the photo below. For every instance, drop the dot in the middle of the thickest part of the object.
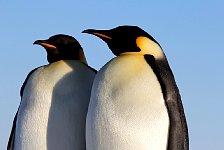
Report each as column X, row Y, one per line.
column 26, row 80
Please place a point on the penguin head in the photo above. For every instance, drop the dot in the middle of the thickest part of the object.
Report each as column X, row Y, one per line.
column 128, row 40
column 62, row 47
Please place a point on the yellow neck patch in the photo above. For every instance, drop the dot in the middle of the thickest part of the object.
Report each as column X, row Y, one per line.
column 148, row 46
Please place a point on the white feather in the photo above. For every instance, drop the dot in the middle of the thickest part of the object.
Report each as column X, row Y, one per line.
column 127, row 110
column 53, row 108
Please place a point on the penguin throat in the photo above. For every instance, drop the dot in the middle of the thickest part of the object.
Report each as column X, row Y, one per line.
column 53, row 56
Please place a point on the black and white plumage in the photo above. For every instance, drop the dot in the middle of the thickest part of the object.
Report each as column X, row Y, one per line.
column 135, row 102
column 54, row 100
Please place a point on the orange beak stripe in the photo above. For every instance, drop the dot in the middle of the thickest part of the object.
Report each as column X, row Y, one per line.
column 102, row 35
column 48, row 45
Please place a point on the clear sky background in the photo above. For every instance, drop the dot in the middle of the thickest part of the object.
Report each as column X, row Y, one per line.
column 190, row 32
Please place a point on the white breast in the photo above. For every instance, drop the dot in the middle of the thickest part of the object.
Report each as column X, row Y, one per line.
column 53, row 107
column 127, row 110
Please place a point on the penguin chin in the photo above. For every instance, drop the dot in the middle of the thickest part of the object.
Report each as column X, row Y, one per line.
column 52, row 51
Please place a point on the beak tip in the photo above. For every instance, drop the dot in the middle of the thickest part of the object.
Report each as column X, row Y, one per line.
column 89, row 31
column 84, row 31
column 37, row 42
column 34, row 42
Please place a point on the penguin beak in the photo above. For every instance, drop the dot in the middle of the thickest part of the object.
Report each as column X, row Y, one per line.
column 45, row 44
column 103, row 34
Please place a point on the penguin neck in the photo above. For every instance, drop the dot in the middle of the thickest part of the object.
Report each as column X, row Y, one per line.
column 53, row 57
column 82, row 57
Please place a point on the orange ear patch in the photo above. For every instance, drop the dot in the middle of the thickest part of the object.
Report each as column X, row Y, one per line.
column 148, row 46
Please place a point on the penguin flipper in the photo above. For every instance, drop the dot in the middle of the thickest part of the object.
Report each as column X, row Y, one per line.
column 10, row 145
column 178, row 132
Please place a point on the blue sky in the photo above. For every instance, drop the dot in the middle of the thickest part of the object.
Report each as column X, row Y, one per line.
column 190, row 32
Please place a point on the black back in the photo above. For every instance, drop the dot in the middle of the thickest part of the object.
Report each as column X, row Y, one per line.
column 10, row 145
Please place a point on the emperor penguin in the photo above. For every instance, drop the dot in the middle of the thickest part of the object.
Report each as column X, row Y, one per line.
column 54, row 100
column 135, row 103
